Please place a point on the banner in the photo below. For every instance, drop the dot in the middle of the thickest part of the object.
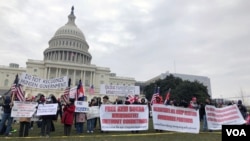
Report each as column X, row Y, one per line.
column 47, row 109
column 39, row 83
column 82, row 107
column 171, row 118
column 119, row 90
column 229, row 115
column 94, row 111
column 124, row 117
column 23, row 109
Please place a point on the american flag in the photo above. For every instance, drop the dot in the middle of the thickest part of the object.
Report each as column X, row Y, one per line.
column 131, row 98
column 92, row 90
column 156, row 94
column 17, row 90
column 65, row 96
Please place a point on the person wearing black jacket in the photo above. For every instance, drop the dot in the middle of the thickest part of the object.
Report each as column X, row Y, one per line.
column 203, row 114
column 6, row 115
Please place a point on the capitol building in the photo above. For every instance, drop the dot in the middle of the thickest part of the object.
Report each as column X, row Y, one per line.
column 67, row 55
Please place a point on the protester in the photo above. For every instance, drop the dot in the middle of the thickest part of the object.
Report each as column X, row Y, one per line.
column 193, row 104
column 243, row 109
column 25, row 121
column 97, row 119
column 158, row 100
column 68, row 116
column 143, row 101
column 6, row 116
column 136, row 102
column 91, row 121
column 46, row 119
column 80, row 120
column 207, row 102
column 59, row 111
column 105, row 100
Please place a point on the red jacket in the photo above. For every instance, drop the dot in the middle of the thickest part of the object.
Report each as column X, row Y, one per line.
column 68, row 114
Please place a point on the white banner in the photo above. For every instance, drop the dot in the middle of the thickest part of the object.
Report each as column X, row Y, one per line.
column 229, row 115
column 177, row 119
column 36, row 82
column 72, row 92
column 124, row 117
column 47, row 109
column 23, row 109
column 119, row 90
column 81, row 107
column 94, row 111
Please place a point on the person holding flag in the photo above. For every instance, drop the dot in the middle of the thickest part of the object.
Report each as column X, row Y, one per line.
column 156, row 98
column 7, row 107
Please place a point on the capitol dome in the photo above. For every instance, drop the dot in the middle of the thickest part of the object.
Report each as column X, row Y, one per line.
column 68, row 44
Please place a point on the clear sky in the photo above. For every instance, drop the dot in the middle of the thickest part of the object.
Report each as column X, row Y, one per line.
column 141, row 38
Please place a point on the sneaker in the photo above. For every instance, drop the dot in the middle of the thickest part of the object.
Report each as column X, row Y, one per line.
column 13, row 131
column 87, row 131
column 92, row 131
column 47, row 136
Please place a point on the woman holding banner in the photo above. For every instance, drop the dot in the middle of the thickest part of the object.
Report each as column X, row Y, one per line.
column 25, row 122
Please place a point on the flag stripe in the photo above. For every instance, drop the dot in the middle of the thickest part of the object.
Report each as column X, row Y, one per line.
column 156, row 94
column 65, row 96
column 20, row 94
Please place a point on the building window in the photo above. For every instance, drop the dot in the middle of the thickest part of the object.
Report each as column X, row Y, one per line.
column 7, row 75
column 102, row 76
column 35, row 70
column 102, row 82
column 6, row 82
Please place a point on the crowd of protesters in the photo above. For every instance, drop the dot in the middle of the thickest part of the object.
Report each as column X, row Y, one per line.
column 70, row 119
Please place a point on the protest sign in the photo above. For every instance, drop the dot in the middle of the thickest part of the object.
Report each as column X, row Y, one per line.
column 124, row 117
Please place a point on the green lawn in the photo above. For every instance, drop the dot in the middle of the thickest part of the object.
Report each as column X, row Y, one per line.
column 149, row 135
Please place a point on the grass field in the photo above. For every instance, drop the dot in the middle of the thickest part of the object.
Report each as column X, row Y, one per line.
column 149, row 135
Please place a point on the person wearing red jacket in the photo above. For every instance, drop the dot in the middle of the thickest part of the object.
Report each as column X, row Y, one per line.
column 68, row 116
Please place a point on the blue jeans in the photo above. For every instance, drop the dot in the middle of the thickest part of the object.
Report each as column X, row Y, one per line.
column 79, row 127
column 90, row 124
column 5, row 117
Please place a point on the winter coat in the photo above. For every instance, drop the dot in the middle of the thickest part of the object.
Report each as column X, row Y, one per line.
column 6, row 105
column 68, row 114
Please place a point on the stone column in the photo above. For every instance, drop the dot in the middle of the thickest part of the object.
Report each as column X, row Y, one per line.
column 60, row 71
column 56, row 72
column 45, row 73
column 49, row 74
column 74, row 78
column 93, row 78
column 84, row 73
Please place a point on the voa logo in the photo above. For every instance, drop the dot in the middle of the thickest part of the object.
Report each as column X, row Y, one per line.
column 236, row 132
